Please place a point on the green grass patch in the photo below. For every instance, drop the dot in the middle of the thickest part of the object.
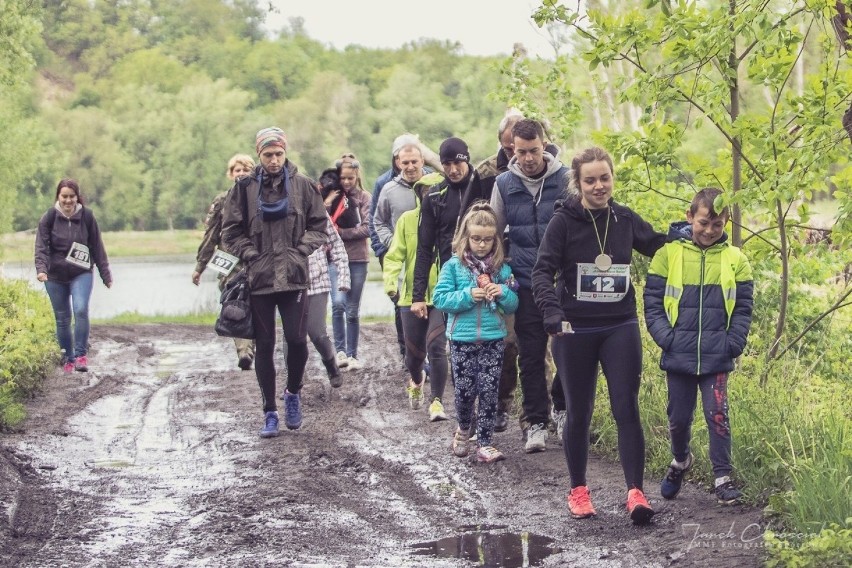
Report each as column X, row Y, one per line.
column 18, row 247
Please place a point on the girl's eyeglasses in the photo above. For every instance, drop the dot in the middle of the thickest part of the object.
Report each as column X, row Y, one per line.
column 479, row 240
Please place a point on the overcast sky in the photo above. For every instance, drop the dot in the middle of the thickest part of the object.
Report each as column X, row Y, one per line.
column 483, row 27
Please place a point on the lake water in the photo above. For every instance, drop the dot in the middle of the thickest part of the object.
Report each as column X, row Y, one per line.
column 162, row 286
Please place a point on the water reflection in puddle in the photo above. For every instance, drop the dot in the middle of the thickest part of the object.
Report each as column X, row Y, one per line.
column 490, row 545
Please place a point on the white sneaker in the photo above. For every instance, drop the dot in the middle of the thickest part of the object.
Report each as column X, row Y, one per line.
column 536, row 439
column 559, row 417
column 354, row 364
column 342, row 359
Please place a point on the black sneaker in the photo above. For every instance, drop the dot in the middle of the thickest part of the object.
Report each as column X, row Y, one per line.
column 245, row 362
column 727, row 494
column 670, row 486
column 501, row 421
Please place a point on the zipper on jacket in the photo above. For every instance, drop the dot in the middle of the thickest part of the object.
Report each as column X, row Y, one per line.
column 700, row 310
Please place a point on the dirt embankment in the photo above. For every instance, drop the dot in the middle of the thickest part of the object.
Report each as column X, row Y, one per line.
column 153, row 458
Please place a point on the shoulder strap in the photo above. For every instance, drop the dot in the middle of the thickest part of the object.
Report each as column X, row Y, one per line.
column 51, row 213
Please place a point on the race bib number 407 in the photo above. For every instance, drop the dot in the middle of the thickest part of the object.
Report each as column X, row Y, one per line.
column 596, row 285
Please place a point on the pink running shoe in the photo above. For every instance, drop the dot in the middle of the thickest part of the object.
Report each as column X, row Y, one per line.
column 81, row 364
column 68, row 367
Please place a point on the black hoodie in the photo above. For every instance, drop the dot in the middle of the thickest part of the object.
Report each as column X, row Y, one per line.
column 570, row 239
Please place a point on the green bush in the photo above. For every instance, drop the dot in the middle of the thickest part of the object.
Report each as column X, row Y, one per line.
column 831, row 546
column 28, row 347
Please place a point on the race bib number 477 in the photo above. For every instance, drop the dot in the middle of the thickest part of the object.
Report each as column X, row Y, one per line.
column 596, row 285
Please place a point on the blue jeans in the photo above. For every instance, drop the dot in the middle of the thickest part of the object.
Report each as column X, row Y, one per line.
column 348, row 305
column 67, row 298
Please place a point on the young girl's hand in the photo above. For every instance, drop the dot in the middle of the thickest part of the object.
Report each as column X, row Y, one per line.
column 478, row 294
column 332, row 195
column 493, row 291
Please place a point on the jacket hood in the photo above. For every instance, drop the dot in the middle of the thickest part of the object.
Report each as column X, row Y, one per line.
column 682, row 231
column 679, row 230
column 77, row 208
column 553, row 164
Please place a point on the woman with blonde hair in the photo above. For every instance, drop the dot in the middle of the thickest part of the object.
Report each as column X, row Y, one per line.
column 238, row 166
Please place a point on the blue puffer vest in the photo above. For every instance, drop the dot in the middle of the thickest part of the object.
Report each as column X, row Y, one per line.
column 527, row 218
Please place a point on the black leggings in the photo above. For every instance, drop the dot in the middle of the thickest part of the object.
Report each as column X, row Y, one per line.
column 293, row 307
column 619, row 350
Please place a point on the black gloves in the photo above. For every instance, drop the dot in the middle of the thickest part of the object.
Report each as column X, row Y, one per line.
column 553, row 324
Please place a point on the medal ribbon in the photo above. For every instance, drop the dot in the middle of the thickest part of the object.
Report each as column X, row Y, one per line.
column 606, row 230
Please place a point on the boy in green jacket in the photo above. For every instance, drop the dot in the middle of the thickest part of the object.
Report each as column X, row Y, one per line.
column 698, row 309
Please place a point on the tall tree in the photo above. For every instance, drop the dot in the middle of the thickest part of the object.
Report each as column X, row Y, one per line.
column 716, row 62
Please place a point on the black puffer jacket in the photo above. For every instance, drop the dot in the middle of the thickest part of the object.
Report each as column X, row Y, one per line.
column 440, row 215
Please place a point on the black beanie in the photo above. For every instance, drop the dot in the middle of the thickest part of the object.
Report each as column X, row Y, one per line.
column 454, row 150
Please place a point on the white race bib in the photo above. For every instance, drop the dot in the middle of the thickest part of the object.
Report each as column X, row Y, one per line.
column 222, row 262
column 79, row 256
column 596, row 285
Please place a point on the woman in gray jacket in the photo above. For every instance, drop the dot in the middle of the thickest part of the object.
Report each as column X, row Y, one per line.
column 68, row 242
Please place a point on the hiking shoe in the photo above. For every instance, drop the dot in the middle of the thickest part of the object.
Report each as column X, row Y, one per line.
column 436, row 410
column 670, row 486
column 245, row 362
column 415, row 395
column 460, row 442
column 81, row 364
column 68, row 367
column 536, row 439
column 334, row 376
column 501, row 421
column 270, row 427
column 638, row 508
column 580, row 503
column 342, row 359
column 292, row 410
column 353, row 364
column 726, row 493
column 559, row 417
column 489, row 454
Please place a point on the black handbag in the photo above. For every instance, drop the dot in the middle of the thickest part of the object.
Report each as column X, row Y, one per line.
column 235, row 316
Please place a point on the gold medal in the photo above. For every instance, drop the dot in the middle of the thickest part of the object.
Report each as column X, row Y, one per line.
column 603, row 262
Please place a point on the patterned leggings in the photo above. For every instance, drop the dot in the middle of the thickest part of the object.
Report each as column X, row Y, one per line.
column 476, row 372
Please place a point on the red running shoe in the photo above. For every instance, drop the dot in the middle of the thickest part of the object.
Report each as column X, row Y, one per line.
column 580, row 503
column 638, row 508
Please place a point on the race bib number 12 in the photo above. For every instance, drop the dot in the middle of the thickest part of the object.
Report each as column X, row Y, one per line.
column 596, row 285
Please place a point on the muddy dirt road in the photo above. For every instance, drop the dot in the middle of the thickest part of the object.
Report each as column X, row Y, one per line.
column 153, row 459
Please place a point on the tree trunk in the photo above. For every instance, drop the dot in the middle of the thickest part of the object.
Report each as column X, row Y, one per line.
column 736, row 148
column 785, row 280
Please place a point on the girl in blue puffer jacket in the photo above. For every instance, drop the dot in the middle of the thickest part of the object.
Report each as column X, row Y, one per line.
column 476, row 288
